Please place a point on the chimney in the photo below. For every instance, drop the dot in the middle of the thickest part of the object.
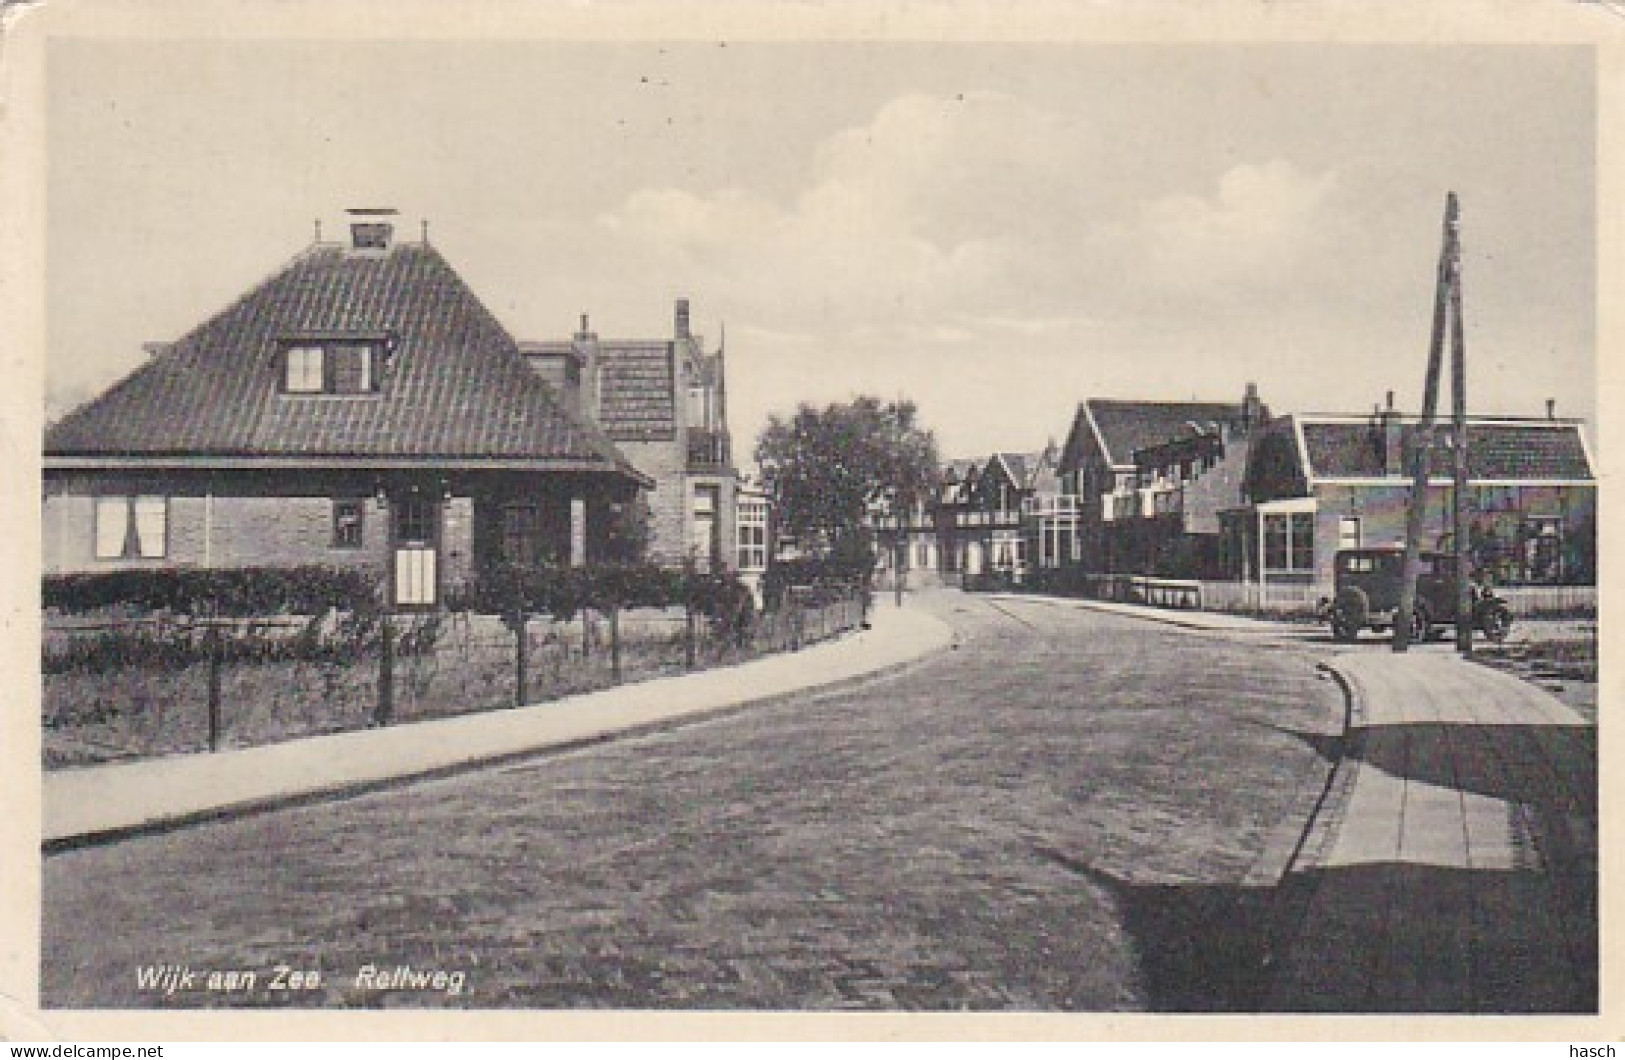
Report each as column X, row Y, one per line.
column 585, row 348
column 1551, row 408
column 1393, row 440
column 682, row 319
column 1252, row 409
column 372, row 230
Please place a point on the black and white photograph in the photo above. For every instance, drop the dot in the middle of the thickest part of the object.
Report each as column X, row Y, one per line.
column 585, row 509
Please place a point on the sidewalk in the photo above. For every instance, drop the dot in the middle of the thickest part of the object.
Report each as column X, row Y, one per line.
column 1452, row 865
column 1213, row 621
column 104, row 802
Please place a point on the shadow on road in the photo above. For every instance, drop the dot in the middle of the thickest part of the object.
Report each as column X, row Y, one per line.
column 1410, row 938
column 1200, row 947
column 1548, row 766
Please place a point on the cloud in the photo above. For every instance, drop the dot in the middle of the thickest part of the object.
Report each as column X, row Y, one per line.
column 924, row 210
column 1261, row 228
column 945, row 241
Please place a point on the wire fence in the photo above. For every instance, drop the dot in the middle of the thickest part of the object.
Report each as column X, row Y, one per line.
column 120, row 687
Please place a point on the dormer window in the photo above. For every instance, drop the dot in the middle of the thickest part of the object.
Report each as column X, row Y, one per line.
column 348, row 367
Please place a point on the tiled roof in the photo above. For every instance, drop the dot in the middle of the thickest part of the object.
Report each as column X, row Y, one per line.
column 455, row 385
column 1126, row 426
column 1497, row 449
column 637, row 390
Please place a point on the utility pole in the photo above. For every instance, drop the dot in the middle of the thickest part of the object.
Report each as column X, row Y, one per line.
column 1458, row 408
column 1422, row 440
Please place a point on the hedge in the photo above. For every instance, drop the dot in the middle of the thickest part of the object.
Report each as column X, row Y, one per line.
column 232, row 592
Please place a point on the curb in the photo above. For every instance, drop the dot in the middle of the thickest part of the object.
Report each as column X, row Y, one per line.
column 1293, row 889
column 346, row 790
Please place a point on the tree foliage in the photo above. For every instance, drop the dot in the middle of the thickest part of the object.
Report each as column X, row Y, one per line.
column 828, row 469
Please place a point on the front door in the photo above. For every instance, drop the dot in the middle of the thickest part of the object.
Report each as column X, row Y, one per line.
column 416, row 533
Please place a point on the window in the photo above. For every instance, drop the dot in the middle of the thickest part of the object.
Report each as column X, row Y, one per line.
column 306, row 373
column 352, row 370
column 348, row 513
column 1348, row 532
column 132, row 527
column 414, row 520
column 1543, row 550
column 335, row 368
column 752, row 546
column 752, row 521
column 1275, row 542
column 1289, row 542
column 707, row 540
column 1303, row 541
column 520, row 534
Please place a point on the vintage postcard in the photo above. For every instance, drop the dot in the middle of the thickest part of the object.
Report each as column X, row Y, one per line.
column 784, row 520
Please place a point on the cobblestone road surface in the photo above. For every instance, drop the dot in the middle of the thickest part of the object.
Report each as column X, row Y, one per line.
column 1057, row 815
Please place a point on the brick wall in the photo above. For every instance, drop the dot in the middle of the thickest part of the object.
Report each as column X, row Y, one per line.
column 665, row 462
column 206, row 529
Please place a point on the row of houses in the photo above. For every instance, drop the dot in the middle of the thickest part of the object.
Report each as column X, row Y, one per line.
column 361, row 406
column 1229, row 491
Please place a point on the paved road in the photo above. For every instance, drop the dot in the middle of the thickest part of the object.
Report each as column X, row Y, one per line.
column 1058, row 815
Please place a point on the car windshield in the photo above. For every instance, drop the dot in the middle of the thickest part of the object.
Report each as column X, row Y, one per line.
column 1367, row 562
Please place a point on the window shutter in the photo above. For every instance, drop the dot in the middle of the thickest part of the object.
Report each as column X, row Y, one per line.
column 112, row 526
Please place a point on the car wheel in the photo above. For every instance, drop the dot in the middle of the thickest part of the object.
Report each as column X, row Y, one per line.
column 1421, row 624
column 1350, row 612
column 1497, row 624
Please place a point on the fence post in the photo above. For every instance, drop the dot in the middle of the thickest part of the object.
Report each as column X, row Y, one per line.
column 214, row 686
column 386, row 670
column 520, row 657
column 615, row 644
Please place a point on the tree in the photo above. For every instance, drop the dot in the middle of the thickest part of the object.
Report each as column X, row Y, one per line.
column 828, row 469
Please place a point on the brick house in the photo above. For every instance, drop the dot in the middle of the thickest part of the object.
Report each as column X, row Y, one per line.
column 663, row 402
column 359, row 407
column 1148, row 479
column 956, row 495
column 1317, row 483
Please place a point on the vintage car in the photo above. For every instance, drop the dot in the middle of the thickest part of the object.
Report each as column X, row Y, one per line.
column 1366, row 582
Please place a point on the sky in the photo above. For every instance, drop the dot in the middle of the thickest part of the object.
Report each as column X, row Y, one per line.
column 997, row 232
